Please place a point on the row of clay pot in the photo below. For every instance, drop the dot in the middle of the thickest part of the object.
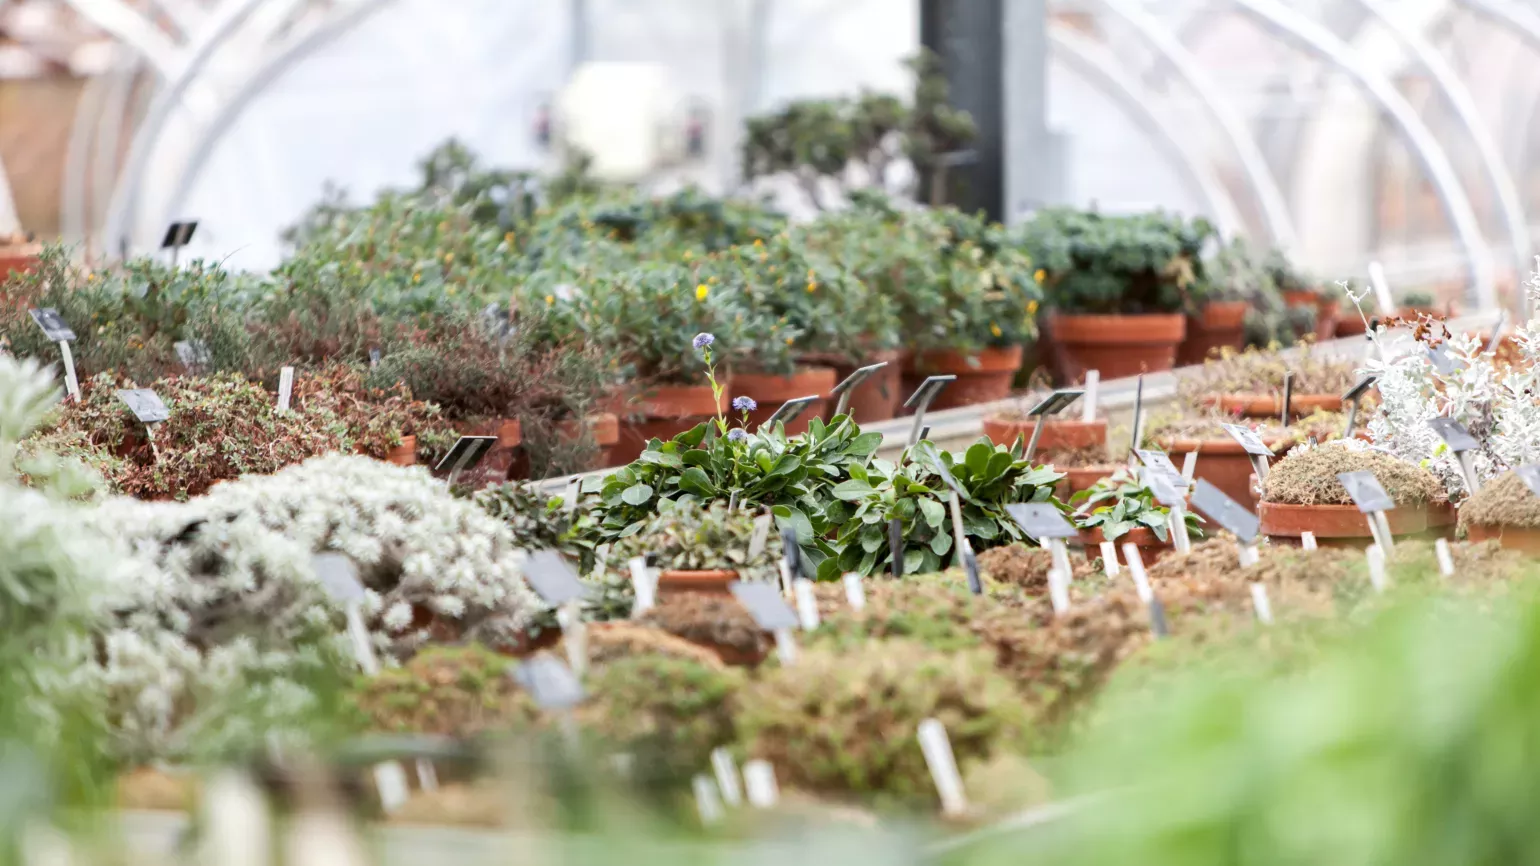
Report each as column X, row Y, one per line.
column 505, row 458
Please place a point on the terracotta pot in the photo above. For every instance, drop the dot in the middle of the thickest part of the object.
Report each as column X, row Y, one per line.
column 1270, row 405
column 1325, row 307
column 771, row 391
column 1442, row 515
column 984, row 376
column 18, row 259
column 1340, row 525
column 1078, row 478
column 1059, row 435
column 714, row 581
column 404, row 454
column 662, row 412
column 1151, row 548
column 604, row 427
column 1414, row 313
column 1221, row 462
column 1350, row 325
column 509, row 433
column 1118, row 346
column 1521, row 538
column 879, row 396
column 1222, row 325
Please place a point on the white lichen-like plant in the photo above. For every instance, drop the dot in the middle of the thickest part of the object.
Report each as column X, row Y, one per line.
column 1495, row 403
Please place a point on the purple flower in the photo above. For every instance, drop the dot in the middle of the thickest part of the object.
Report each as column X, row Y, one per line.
column 744, row 404
column 737, row 434
column 703, row 340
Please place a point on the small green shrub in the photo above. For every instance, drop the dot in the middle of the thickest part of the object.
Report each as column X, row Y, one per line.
column 455, row 691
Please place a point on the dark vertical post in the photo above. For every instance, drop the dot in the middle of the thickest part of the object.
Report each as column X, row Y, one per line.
column 968, row 36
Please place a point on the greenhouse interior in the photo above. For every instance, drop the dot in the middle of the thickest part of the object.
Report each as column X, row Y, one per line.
column 869, row 432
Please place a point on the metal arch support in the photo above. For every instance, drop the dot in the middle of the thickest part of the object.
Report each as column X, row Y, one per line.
column 134, row 30
column 1078, row 53
column 1274, row 205
column 296, row 48
column 1510, row 203
column 1457, row 207
column 226, row 21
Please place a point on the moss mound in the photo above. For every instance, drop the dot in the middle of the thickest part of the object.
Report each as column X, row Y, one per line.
column 709, row 620
column 1027, row 567
column 1308, row 476
column 610, row 642
column 454, row 691
column 844, row 724
column 1504, row 501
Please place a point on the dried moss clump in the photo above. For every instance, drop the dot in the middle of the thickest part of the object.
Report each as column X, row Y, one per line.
column 1257, row 371
column 844, row 724
column 1308, row 476
column 667, row 713
column 1504, row 501
column 710, row 620
column 454, row 691
column 1027, row 567
column 612, row 641
column 940, row 615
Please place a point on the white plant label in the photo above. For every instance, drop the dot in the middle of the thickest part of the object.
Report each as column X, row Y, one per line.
column 1110, row 558
column 855, row 591
column 575, row 632
column 643, row 587
column 1058, row 591
column 785, row 577
column 1249, row 555
column 785, row 647
column 761, row 536
column 1189, row 466
column 759, row 784
column 1177, row 522
column 571, row 494
column 285, row 388
column 1376, row 557
column 937, row 749
column 1445, row 558
column 1307, row 540
column 390, row 781
column 427, row 776
column 1261, row 604
column 71, row 381
column 1060, row 557
column 1136, row 569
column 1093, row 378
column 706, row 801
column 807, row 603
column 726, row 771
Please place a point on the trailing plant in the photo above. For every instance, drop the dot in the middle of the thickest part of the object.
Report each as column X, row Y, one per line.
column 538, row 521
column 209, row 437
column 1121, row 503
column 914, row 493
column 688, row 535
column 373, row 420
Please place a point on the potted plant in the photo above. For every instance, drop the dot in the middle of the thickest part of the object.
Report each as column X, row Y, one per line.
column 1234, row 281
column 1249, row 384
column 1416, row 304
column 1221, row 460
column 1299, row 293
column 1117, row 287
column 18, row 254
column 383, row 424
column 1504, row 509
column 967, row 300
column 1303, row 494
column 1076, row 447
column 1122, row 510
column 700, row 548
column 914, row 492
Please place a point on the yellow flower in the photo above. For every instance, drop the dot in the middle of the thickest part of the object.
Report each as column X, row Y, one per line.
column 788, row 341
column 508, row 238
column 994, row 329
column 811, row 287
column 1040, row 275
column 417, row 277
column 448, row 257
column 549, row 300
column 1031, row 307
column 701, row 291
column 90, row 278
column 759, row 242
column 451, row 290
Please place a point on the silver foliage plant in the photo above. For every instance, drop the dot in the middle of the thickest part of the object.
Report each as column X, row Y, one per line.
column 1497, row 405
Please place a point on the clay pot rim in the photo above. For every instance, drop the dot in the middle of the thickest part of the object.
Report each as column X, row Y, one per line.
column 1267, row 405
column 1225, row 447
column 1403, row 520
column 808, row 379
column 1003, row 421
column 1119, row 329
column 993, row 359
column 671, row 402
column 1137, row 535
column 697, row 574
column 1222, row 315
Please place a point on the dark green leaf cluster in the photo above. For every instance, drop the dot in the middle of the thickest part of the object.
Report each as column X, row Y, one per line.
column 1102, row 264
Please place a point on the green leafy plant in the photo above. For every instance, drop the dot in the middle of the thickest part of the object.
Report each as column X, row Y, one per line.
column 1121, row 503
column 913, row 492
column 1100, row 264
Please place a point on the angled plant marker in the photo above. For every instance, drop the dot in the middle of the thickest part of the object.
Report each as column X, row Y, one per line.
column 552, row 578
column 1529, row 473
column 178, row 235
column 1354, row 398
column 550, row 683
column 765, row 604
column 1461, row 443
column 1044, row 521
column 1372, row 501
column 789, row 411
column 1226, row 512
column 58, row 331
column 843, row 391
column 1253, row 445
column 920, row 402
column 1051, row 405
column 467, row 453
column 145, row 404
